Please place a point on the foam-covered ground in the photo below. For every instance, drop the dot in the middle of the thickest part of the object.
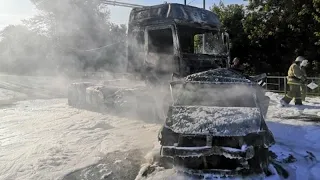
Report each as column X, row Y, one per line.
column 44, row 138
column 297, row 131
column 47, row 139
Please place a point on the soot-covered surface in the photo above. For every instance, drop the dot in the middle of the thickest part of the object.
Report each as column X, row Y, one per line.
column 218, row 75
column 219, row 121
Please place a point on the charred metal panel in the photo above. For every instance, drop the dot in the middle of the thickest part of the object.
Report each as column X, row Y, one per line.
column 176, row 12
column 231, row 153
column 183, row 64
column 202, row 62
column 218, row 75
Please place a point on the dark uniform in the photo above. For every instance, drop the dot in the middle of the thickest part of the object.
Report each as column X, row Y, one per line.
column 295, row 79
column 237, row 66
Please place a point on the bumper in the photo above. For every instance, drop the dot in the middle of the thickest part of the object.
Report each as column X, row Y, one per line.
column 221, row 156
column 210, row 162
column 210, row 173
column 231, row 153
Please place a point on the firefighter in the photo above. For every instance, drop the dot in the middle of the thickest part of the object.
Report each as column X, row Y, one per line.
column 295, row 78
column 303, row 66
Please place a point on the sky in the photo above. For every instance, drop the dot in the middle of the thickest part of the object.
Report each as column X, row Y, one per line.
column 13, row 11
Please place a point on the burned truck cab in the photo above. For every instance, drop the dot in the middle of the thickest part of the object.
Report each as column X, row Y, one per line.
column 168, row 39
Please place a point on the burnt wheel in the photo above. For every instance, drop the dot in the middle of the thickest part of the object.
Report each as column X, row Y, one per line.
column 260, row 161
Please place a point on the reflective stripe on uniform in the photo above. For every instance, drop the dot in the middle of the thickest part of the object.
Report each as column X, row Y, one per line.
column 292, row 97
column 288, row 96
column 293, row 83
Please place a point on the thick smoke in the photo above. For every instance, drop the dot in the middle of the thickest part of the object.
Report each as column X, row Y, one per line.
column 65, row 37
column 74, row 40
column 66, row 41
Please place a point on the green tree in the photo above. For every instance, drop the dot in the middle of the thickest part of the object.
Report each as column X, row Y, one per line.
column 269, row 34
column 281, row 31
column 231, row 17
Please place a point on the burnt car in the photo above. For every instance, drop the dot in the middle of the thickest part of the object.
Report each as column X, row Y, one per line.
column 216, row 125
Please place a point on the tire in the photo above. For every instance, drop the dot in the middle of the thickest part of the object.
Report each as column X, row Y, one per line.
column 260, row 161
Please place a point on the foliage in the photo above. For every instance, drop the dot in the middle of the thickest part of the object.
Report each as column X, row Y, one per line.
column 269, row 34
column 231, row 17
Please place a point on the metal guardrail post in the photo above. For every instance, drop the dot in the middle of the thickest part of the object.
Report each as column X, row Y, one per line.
column 278, row 83
column 285, row 85
column 267, row 83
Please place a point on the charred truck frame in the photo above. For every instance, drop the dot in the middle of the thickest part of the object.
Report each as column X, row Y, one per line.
column 165, row 40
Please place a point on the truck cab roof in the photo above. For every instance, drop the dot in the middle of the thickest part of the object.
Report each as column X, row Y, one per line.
column 174, row 13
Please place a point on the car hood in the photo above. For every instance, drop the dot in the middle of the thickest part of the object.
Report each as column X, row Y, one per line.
column 216, row 121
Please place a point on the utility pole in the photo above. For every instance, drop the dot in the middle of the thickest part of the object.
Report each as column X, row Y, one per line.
column 203, row 36
column 185, row 2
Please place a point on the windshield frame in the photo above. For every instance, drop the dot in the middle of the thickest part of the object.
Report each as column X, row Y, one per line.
column 184, row 32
